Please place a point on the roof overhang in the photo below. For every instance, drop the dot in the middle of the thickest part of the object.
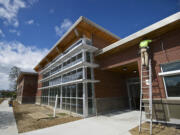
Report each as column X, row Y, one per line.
column 82, row 27
column 152, row 31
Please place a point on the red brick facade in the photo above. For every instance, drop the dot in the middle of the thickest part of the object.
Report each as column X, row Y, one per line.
column 171, row 45
column 27, row 87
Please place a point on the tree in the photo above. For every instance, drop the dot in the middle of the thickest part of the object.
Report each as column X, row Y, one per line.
column 13, row 75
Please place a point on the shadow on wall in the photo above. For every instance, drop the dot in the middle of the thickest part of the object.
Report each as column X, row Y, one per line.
column 159, row 111
column 6, row 119
column 115, row 113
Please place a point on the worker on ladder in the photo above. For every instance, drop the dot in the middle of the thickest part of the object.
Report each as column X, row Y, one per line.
column 144, row 52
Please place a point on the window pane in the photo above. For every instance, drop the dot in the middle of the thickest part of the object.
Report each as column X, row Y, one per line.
column 173, row 85
column 171, row 66
column 73, row 91
column 88, row 58
column 80, row 90
column 73, row 105
column 90, row 106
column 63, row 91
column 79, row 56
column 63, row 106
column 68, row 91
column 79, row 73
column 68, row 107
column 73, row 108
column 89, row 88
column 73, row 59
column 88, row 73
column 80, row 106
column 67, row 100
column 59, row 91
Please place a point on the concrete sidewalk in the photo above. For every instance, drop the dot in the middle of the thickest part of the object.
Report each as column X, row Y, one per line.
column 7, row 120
column 118, row 123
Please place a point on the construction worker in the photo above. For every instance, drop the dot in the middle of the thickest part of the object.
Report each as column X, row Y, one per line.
column 144, row 52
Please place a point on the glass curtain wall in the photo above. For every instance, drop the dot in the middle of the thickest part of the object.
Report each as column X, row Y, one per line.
column 70, row 96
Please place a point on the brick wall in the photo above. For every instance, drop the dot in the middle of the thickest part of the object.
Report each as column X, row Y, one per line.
column 171, row 45
column 111, row 84
column 27, row 88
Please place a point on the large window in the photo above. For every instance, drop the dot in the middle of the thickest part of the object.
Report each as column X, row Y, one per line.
column 73, row 75
column 73, row 60
column 46, row 74
column 45, row 84
column 55, row 81
column 72, row 98
column 172, row 78
column 69, row 79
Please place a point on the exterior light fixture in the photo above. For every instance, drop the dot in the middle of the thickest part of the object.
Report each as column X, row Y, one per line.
column 124, row 69
column 134, row 71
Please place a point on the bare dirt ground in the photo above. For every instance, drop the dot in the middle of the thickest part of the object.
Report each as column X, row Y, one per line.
column 1, row 100
column 31, row 117
column 158, row 129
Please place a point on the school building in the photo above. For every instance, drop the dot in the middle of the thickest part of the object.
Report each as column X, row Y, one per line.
column 94, row 71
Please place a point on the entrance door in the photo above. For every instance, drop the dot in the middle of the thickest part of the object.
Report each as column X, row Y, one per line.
column 134, row 95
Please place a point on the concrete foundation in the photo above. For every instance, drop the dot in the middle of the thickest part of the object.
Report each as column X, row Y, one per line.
column 38, row 100
column 166, row 110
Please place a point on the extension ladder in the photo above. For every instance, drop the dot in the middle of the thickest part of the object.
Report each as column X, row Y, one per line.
column 146, row 92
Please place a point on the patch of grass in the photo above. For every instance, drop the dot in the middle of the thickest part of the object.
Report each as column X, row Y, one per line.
column 50, row 115
column 62, row 114
column 58, row 114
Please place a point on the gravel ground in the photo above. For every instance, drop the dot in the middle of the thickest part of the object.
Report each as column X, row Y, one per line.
column 28, row 120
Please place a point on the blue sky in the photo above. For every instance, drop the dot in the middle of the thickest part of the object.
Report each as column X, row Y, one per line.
column 31, row 27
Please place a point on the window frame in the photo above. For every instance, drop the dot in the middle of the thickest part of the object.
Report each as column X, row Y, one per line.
column 169, row 73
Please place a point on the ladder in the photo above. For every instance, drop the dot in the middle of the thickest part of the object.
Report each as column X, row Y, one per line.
column 146, row 92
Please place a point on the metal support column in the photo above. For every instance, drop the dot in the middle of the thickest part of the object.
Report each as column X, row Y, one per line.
column 85, row 103
column 48, row 95
column 61, row 94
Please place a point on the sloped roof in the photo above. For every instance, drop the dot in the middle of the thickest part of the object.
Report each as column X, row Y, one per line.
column 82, row 26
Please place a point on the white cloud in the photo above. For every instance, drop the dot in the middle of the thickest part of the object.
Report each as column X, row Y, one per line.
column 3, row 81
column 30, row 22
column 17, row 54
column 9, row 10
column 65, row 25
column 2, row 33
column 32, row 1
column 15, row 32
